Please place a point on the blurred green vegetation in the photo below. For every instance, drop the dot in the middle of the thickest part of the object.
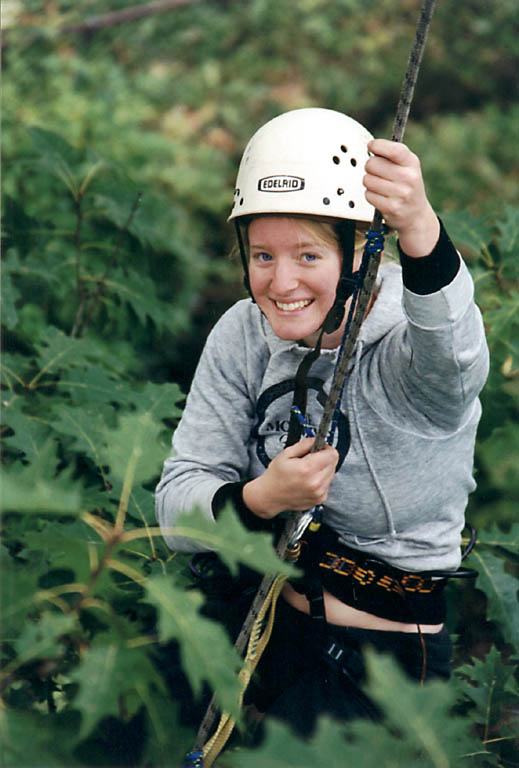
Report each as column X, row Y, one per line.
column 120, row 146
column 173, row 97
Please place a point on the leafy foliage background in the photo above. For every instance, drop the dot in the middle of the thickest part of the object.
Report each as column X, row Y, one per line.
column 120, row 145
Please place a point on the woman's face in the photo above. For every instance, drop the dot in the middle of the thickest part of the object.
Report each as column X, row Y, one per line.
column 293, row 276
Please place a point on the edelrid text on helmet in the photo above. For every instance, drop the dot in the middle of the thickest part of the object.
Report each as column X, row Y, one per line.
column 307, row 161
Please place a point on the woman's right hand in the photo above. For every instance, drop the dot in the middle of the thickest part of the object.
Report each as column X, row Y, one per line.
column 295, row 479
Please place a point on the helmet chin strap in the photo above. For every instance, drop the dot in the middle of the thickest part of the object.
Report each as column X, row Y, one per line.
column 243, row 257
column 347, row 279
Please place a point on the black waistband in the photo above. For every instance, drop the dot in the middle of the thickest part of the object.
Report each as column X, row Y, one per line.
column 369, row 584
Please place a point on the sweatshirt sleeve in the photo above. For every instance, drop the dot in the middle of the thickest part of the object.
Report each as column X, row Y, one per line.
column 433, row 272
column 210, row 445
column 436, row 363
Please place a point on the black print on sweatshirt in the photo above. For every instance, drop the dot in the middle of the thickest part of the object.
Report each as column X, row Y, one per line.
column 273, row 418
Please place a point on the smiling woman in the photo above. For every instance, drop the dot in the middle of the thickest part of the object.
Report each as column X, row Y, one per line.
column 393, row 485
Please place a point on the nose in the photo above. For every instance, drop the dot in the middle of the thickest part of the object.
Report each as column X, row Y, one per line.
column 284, row 279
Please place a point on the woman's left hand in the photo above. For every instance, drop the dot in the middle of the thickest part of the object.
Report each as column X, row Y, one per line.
column 395, row 186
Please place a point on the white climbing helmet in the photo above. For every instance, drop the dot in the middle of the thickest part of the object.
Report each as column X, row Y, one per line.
column 307, row 161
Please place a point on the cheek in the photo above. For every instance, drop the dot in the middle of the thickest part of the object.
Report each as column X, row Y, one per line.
column 327, row 286
column 254, row 279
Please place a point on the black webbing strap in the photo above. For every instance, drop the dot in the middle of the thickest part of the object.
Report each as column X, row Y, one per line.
column 243, row 257
column 300, row 391
column 348, row 279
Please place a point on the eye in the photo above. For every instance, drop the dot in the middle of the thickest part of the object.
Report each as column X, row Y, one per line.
column 262, row 257
column 309, row 258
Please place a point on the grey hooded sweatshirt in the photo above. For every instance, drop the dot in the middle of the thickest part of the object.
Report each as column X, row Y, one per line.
column 405, row 435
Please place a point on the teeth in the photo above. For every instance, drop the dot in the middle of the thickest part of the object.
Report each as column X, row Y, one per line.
column 293, row 305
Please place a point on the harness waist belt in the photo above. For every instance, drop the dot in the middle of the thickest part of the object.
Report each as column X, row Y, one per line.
column 369, row 584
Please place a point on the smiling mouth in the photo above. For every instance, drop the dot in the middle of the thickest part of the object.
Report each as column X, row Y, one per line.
column 293, row 305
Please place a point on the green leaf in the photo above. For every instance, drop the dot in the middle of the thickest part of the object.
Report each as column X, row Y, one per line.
column 20, row 232
column 500, row 455
column 503, row 321
column 282, row 748
column 508, row 227
column 501, row 590
column 486, row 688
column 205, row 648
column 36, row 487
column 233, row 542
column 94, row 385
column 159, row 400
column 134, row 446
column 57, row 351
column 66, row 546
column 15, row 370
column 41, row 638
column 465, row 229
column 86, row 427
column 57, row 155
column 19, row 585
column 140, row 292
column 10, row 295
column 417, row 729
column 35, row 740
column 30, row 435
column 168, row 740
column 155, row 223
column 108, row 674
column 141, row 504
column 422, row 715
column 495, row 537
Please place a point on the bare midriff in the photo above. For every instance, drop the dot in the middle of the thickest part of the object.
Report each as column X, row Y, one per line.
column 346, row 616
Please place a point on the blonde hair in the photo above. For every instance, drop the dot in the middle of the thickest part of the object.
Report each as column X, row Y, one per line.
column 321, row 228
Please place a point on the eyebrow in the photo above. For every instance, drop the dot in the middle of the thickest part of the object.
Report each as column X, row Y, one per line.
column 311, row 244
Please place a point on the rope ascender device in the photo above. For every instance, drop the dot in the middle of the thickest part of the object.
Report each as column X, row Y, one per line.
column 256, row 629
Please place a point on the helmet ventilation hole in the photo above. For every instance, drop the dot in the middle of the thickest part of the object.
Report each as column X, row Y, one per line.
column 340, row 191
column 353, row 162
column 326, row 200
column 343, row 148
column 351, row 204
column 336, row 160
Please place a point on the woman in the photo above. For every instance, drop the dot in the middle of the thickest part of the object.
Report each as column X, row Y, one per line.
column 395, row 483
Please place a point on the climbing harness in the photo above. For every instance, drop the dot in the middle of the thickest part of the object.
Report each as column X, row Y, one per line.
column 246, row 203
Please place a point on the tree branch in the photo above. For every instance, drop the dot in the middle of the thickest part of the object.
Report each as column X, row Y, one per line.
column 94, row 300
column 105, row 19
column 127, row 14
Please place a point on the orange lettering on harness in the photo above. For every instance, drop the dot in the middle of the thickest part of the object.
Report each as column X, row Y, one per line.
column 390, row 584
column 363, row 576
column 332, row 561
column 414, row 583
column 345, row 566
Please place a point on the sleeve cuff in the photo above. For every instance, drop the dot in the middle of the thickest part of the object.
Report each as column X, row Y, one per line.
column 429, row 274
column 232, row 493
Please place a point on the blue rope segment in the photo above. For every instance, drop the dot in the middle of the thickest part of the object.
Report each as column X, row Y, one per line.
column 317, row 518
column 374, row 241
column 194, row 760
column 308, row 430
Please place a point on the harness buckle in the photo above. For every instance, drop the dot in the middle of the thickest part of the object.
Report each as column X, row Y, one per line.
column 335, row 651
